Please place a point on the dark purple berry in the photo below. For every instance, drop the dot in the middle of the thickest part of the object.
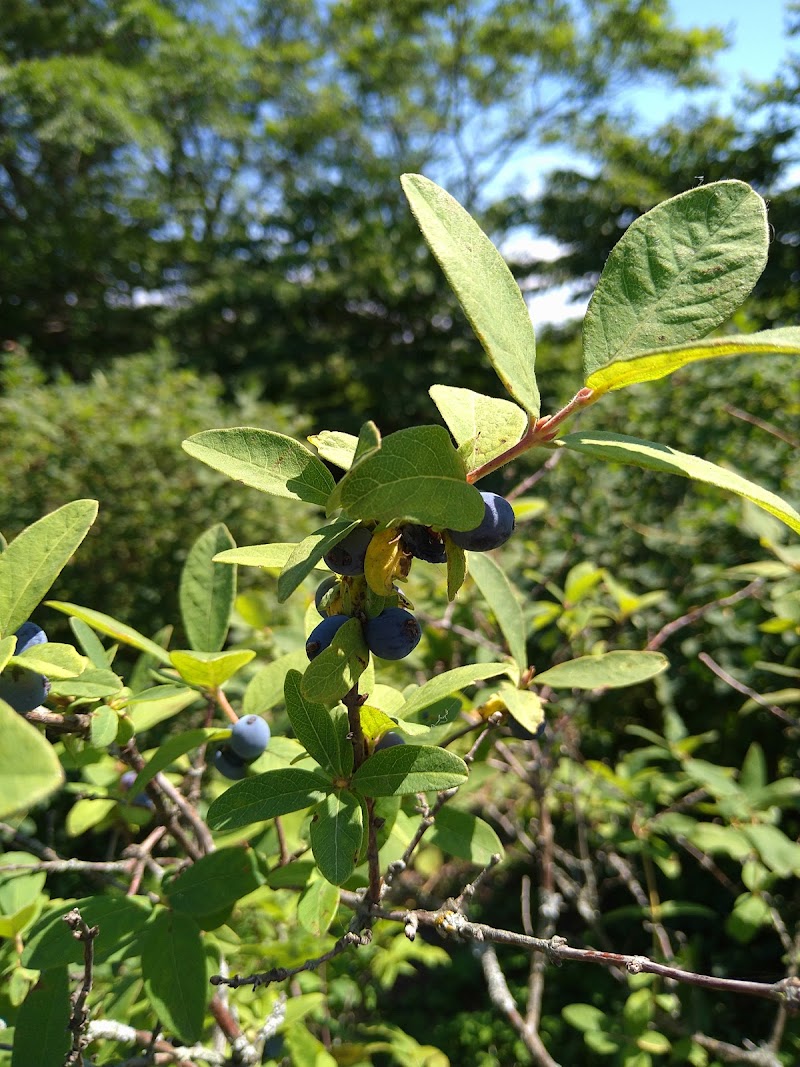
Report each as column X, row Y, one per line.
column 517, row 730
column 348, row 556
column 423, row 543
column 494, row 530
column 323, row 633
column 27, row 635
column 127, row 780
column 249, row 737
column 228, row 763
column 24, row 690
column 323, row 588
column 389, row 741
column 393, row 634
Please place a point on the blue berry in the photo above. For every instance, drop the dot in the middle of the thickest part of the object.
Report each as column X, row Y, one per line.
column 323, row 588
column 393, row 634
column 27, row 635
column 348, row 556
column 519, row 731
column 249, row 737
column 323, row 633
column 494, row 530
column 389, row 741
column 24, row 690
column 228, row 763
column 423, row 543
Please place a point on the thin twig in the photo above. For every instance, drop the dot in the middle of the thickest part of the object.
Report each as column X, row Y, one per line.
column 655, row 642
column 740, row 687
column 280, row 974
column 79, row 1016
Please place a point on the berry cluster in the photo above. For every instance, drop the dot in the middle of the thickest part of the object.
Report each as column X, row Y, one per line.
column 249, row 738
column 393, row 633
column 22, row 689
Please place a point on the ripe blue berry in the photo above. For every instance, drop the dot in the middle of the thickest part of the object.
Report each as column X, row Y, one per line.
column 24, row 690
column 389, row 741
column 348, row 556
column 249, row 737
column 494, row 530
column 393, row 634
column 228, row 763
column 323, row 588
column 27, row 635
column 423, row 543
column 323, row 633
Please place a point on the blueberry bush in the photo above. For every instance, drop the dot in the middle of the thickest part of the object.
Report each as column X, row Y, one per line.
column 237, row 852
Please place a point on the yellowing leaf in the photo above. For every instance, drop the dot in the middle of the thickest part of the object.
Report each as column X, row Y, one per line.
column 386, row 560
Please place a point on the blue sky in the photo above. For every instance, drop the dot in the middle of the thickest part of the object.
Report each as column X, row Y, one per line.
column 758, row 44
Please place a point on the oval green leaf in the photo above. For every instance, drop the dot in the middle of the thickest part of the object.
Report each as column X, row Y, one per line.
column 484, row 285
column 415, row 475
column 266, row 796
column 29, row 767
column 610, row 670
column 337, row 831
column 409, row 769
column 315, row 728
column 41, row 1034
column 207, row 590
column 677, row 272
column 214, row 882
column 105, row 624
column 658, row 363
column 35, row 558
column 464, row 835
column 482, row 426
column 209, row 669
column 335, row 671
column 617, row 448
column 264, row 460
column 442, row 685
column 174, row 972
column 498, row 593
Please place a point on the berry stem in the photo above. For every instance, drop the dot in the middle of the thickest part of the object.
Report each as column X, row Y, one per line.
column 225, row 705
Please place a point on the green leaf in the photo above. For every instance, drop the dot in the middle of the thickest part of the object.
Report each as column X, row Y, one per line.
column 335, row 447
column 207, row 590
column 265, row 688
column 753, row 776
column 92, row 684
column 658, row 363
column 173, row 748
column 524, row 707
column 315, row 729
column 18, row 888
column 209, row 669
column 304, row 1049
column 483, row 426
column 265, row 796
column 750, row 913
column 41, row 1037
column 105, row 624
column 416, row 475
column 655, row 1042
column 35, row 558
column 484, row 285
column 584, row 1017
column 270, row 557
column 308, row 553
column 609, row 670
column 7, row 646
column 90, row 643
column 334, row 672
column 153, row 711
column 86, row 814
column 174, row 971
column 317, row 906
column 464, row 835
column 264, row 460
column 776, row 850
column 52, row 659
column 442, row 685
column 214, row 882
column 120, row 921
column 29, row 768
column 408, row 769
column 456, row 566
column 616, row 448
column 103, row 727
column 499, row 594
column 337, row 830
column 677, row 273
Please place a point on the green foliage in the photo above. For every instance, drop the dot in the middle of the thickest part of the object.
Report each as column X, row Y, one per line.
column 631, row 812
